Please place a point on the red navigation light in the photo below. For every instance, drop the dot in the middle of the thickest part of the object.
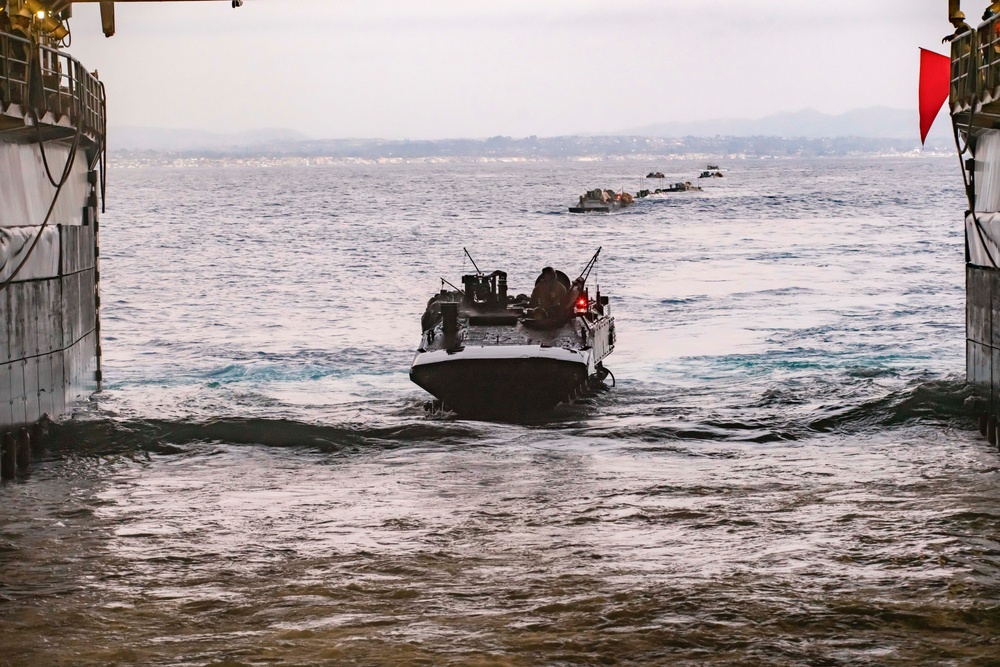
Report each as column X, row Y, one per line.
column 581, row 304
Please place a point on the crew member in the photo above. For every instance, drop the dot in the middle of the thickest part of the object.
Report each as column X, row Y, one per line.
column 18, row 56
column 5, row 27
column 961, row 27
column 991, row 11
column 549, row 295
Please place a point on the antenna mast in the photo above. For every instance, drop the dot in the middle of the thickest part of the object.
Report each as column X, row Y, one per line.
column 478, row 272
column 590, row 265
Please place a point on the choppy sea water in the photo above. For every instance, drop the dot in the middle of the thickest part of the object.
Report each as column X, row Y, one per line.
column 786, row 473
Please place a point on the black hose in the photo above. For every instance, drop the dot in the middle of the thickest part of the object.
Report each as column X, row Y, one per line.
column 41, row 147
column 65, row 177
column 969, row 186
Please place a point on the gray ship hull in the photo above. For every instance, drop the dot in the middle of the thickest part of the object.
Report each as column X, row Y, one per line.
column 49, row 352
column 51, row 142
column 974, row 103
column 982, row 281
column 982, row 339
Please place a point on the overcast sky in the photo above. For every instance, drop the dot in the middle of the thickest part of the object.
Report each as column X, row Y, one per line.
column 424, row 69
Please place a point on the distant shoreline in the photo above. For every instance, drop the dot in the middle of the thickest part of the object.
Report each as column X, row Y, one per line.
column 130, row 160
column 572, row 148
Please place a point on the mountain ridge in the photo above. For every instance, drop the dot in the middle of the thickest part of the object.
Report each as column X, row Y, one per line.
column 883, row 123
column 164, row 139
column 877, row 122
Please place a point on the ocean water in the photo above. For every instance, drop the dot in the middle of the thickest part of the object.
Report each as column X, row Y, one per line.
column 787, row 471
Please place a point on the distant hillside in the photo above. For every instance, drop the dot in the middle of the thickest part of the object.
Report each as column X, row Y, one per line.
column 876, row 123
column 168, row 140
column 557, row 148
column 871, row 123
column 801, row 133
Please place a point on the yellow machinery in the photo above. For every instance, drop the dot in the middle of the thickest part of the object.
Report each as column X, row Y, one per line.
column 46, row 19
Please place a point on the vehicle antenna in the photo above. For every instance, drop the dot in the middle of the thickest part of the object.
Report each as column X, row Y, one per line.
column 590, row 265
column 478, row 272
column 460, row 291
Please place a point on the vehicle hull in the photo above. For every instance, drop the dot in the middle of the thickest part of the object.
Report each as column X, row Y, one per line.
column 501, row 381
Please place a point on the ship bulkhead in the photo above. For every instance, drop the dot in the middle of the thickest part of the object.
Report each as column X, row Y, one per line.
column 52, row 129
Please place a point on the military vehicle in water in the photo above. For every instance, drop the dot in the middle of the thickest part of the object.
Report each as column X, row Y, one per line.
column 484, row 352
column 601, row 201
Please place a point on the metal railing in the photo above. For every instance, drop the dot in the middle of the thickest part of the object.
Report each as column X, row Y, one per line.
column 964, row 69
column 44, row 80
column 989, row 60
column 14, row 65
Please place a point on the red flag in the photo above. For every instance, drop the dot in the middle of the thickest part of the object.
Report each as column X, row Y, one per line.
column 935, row 82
